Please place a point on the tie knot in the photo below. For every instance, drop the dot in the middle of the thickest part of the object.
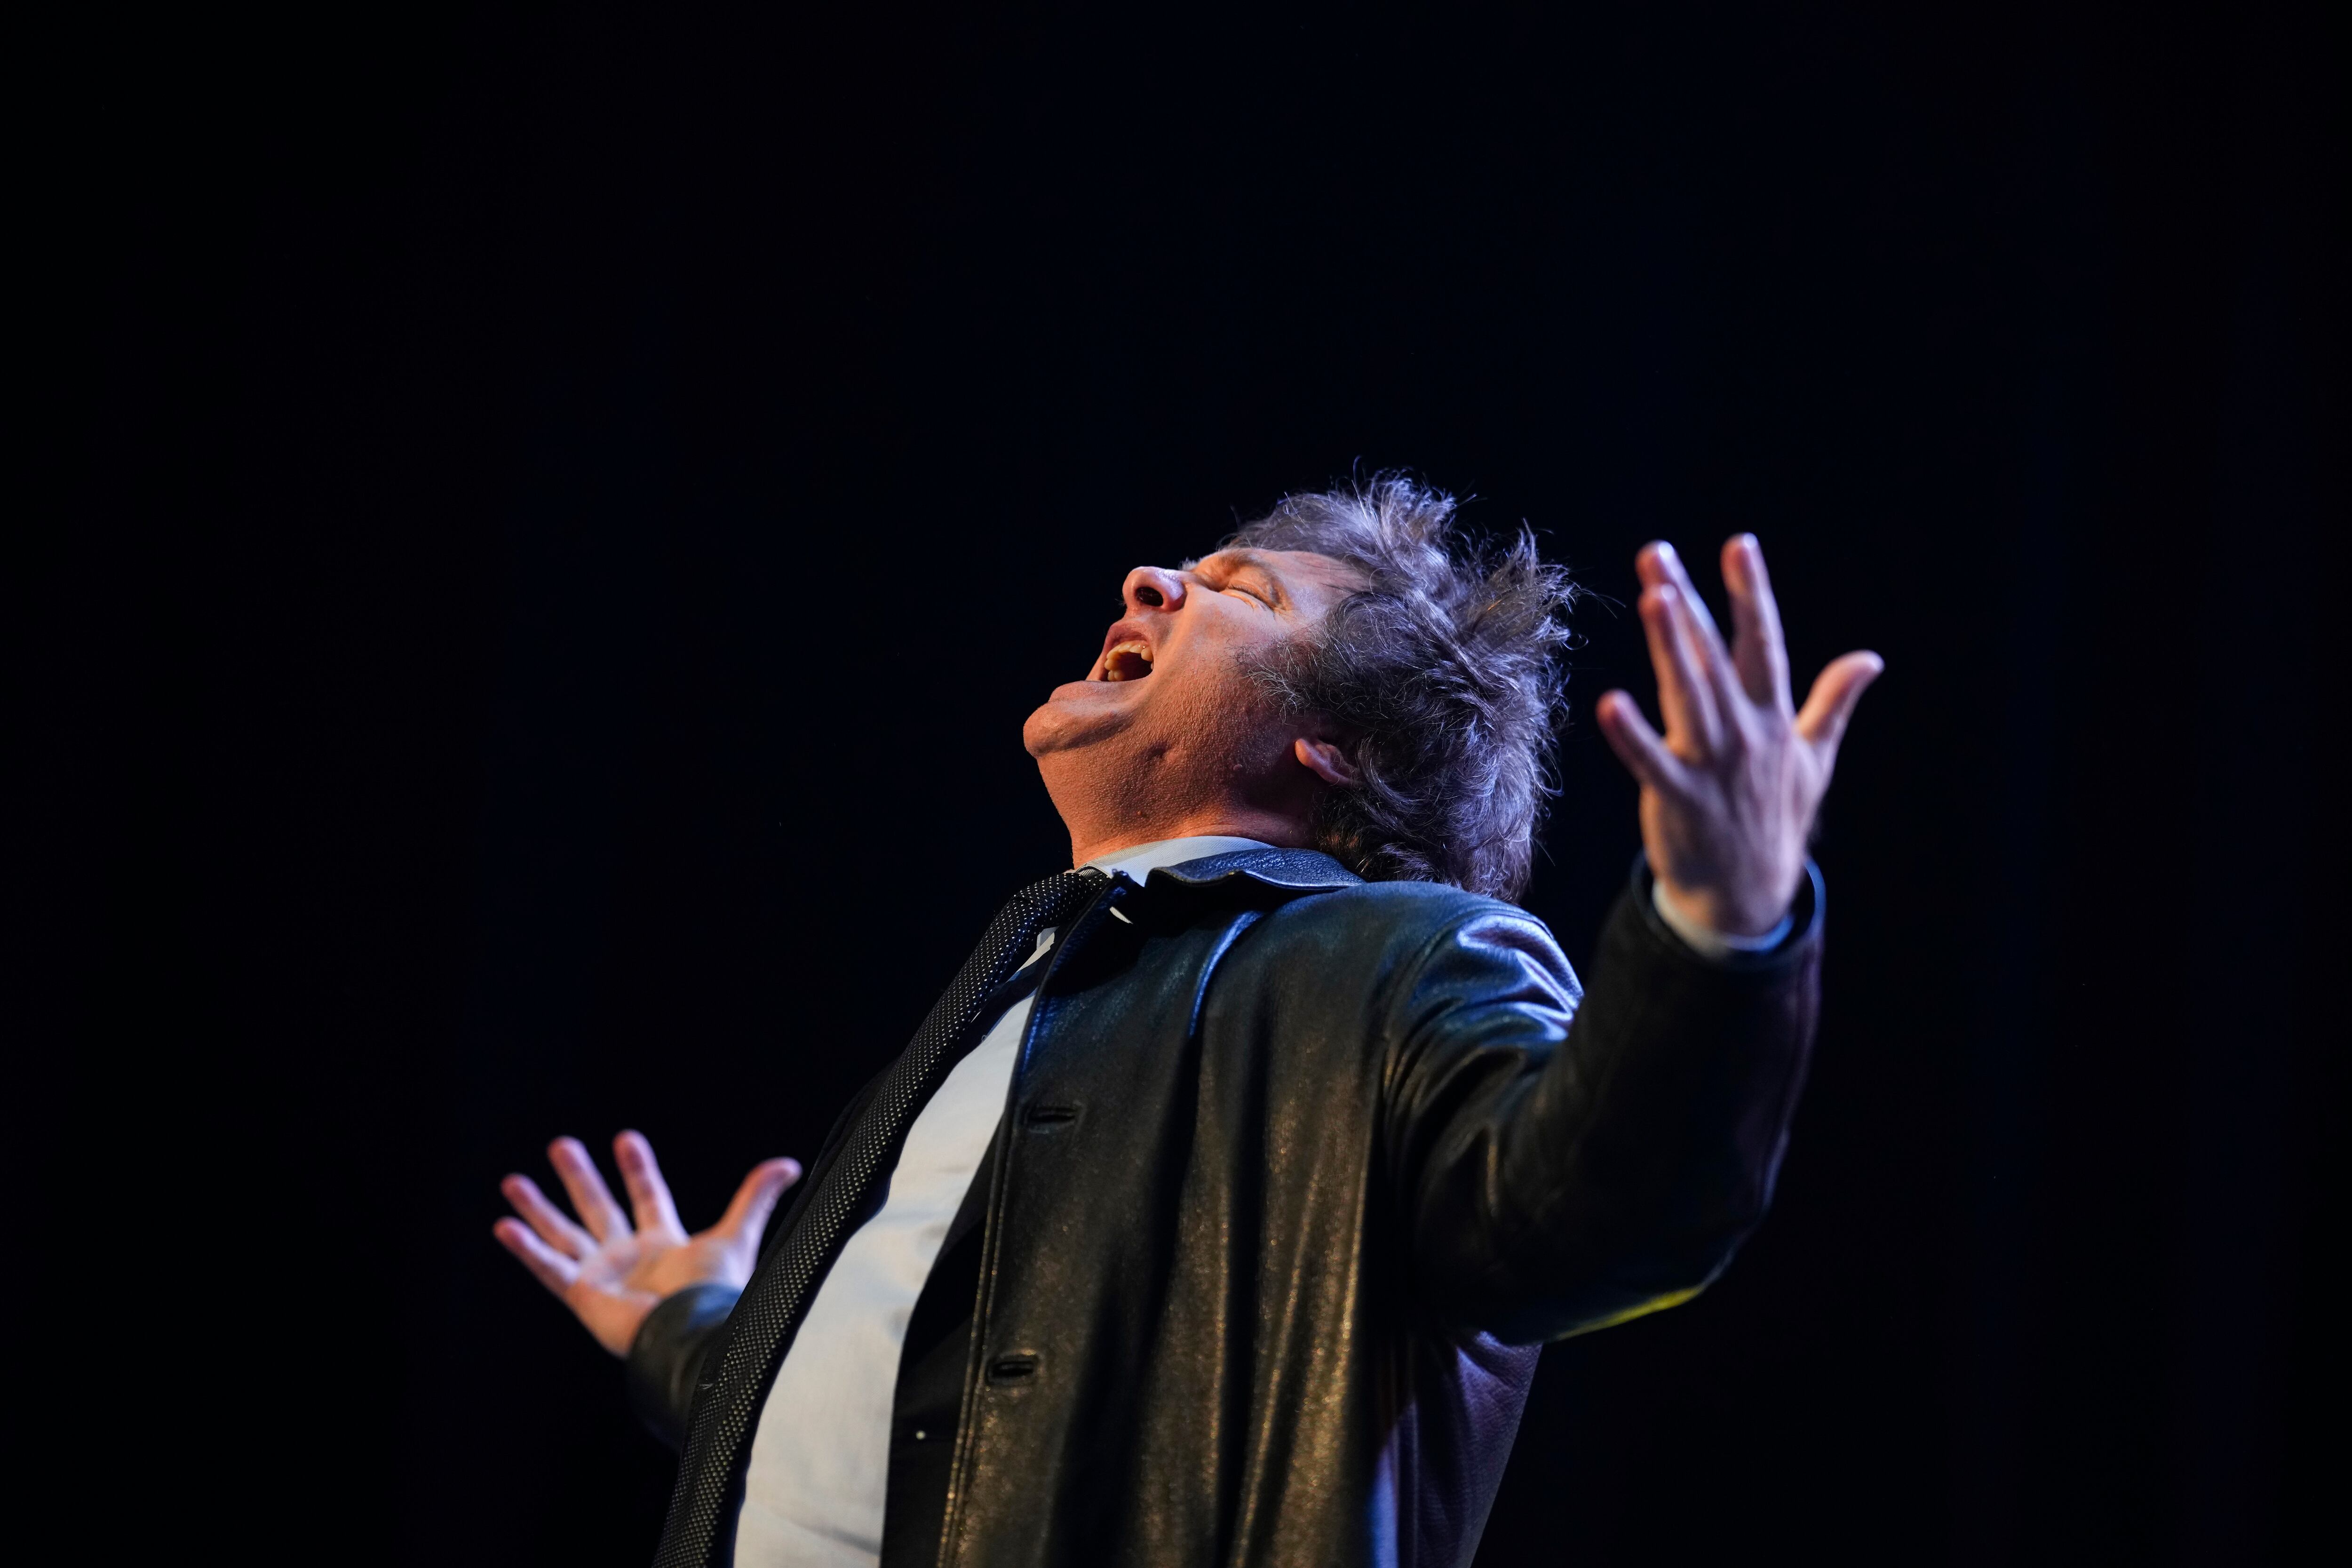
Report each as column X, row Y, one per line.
column 1049, row 903
column 1065, row 887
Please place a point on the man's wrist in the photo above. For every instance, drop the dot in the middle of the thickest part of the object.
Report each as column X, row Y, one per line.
column 1704, row 938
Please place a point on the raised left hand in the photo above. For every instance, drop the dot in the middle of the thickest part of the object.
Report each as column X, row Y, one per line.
column 1729, row 794
column 612, row 1269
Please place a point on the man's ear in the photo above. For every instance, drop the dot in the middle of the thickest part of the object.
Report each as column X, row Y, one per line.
column 1326, row 761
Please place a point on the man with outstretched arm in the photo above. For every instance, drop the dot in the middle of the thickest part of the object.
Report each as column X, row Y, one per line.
column 1219, row 1208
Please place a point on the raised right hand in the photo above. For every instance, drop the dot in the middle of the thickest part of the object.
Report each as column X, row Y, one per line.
column 612, row 1273
column 1731, row 792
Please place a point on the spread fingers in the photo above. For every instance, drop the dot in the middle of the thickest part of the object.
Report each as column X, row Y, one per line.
column 1686, row 697
column 1757, row 648
column 1696, row 623
column 549, row 1266
column 553, row 1225
column 649, row 1198
column 591, row 1198
column 1636, row 745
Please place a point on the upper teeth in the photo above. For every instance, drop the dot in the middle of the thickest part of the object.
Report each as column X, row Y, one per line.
column 1121, row 659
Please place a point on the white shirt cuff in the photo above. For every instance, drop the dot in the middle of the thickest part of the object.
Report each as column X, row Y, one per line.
column 1705, row 940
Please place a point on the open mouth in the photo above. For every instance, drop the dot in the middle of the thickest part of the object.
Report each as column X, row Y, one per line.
column 1129, row 660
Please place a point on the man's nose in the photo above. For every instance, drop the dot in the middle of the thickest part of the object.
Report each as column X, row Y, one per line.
column 1149, row 588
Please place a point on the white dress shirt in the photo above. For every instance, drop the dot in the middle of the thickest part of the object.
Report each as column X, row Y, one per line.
column 820, row 1460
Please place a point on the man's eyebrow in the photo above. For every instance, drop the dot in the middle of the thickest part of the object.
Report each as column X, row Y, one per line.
column 1250, row 561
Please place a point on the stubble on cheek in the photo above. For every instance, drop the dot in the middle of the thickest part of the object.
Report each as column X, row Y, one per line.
column 1226, row 727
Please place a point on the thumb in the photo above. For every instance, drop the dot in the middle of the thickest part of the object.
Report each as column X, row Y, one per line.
column 755, row 1199
column 1831, row 700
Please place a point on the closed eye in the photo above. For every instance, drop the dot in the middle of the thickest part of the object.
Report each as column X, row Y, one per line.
column 1237, row 574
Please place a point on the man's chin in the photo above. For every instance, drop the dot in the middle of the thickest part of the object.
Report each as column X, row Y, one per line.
column 1079, row 713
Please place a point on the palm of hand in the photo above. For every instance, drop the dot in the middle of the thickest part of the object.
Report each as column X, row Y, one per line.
column 612, row 1269
column 644, row 1263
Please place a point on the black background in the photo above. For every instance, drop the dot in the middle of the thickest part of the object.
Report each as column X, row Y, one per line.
column 569, row 508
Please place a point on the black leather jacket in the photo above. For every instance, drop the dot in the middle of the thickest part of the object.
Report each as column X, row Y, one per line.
column 1295, row 1174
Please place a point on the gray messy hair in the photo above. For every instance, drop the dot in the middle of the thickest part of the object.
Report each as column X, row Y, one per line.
column 1442, row 677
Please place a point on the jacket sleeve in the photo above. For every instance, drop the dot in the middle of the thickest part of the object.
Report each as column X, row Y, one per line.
column 666, row 1359
column 1558, row 1176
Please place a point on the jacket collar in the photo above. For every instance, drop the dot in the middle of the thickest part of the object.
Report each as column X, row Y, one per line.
column 1287, row 871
